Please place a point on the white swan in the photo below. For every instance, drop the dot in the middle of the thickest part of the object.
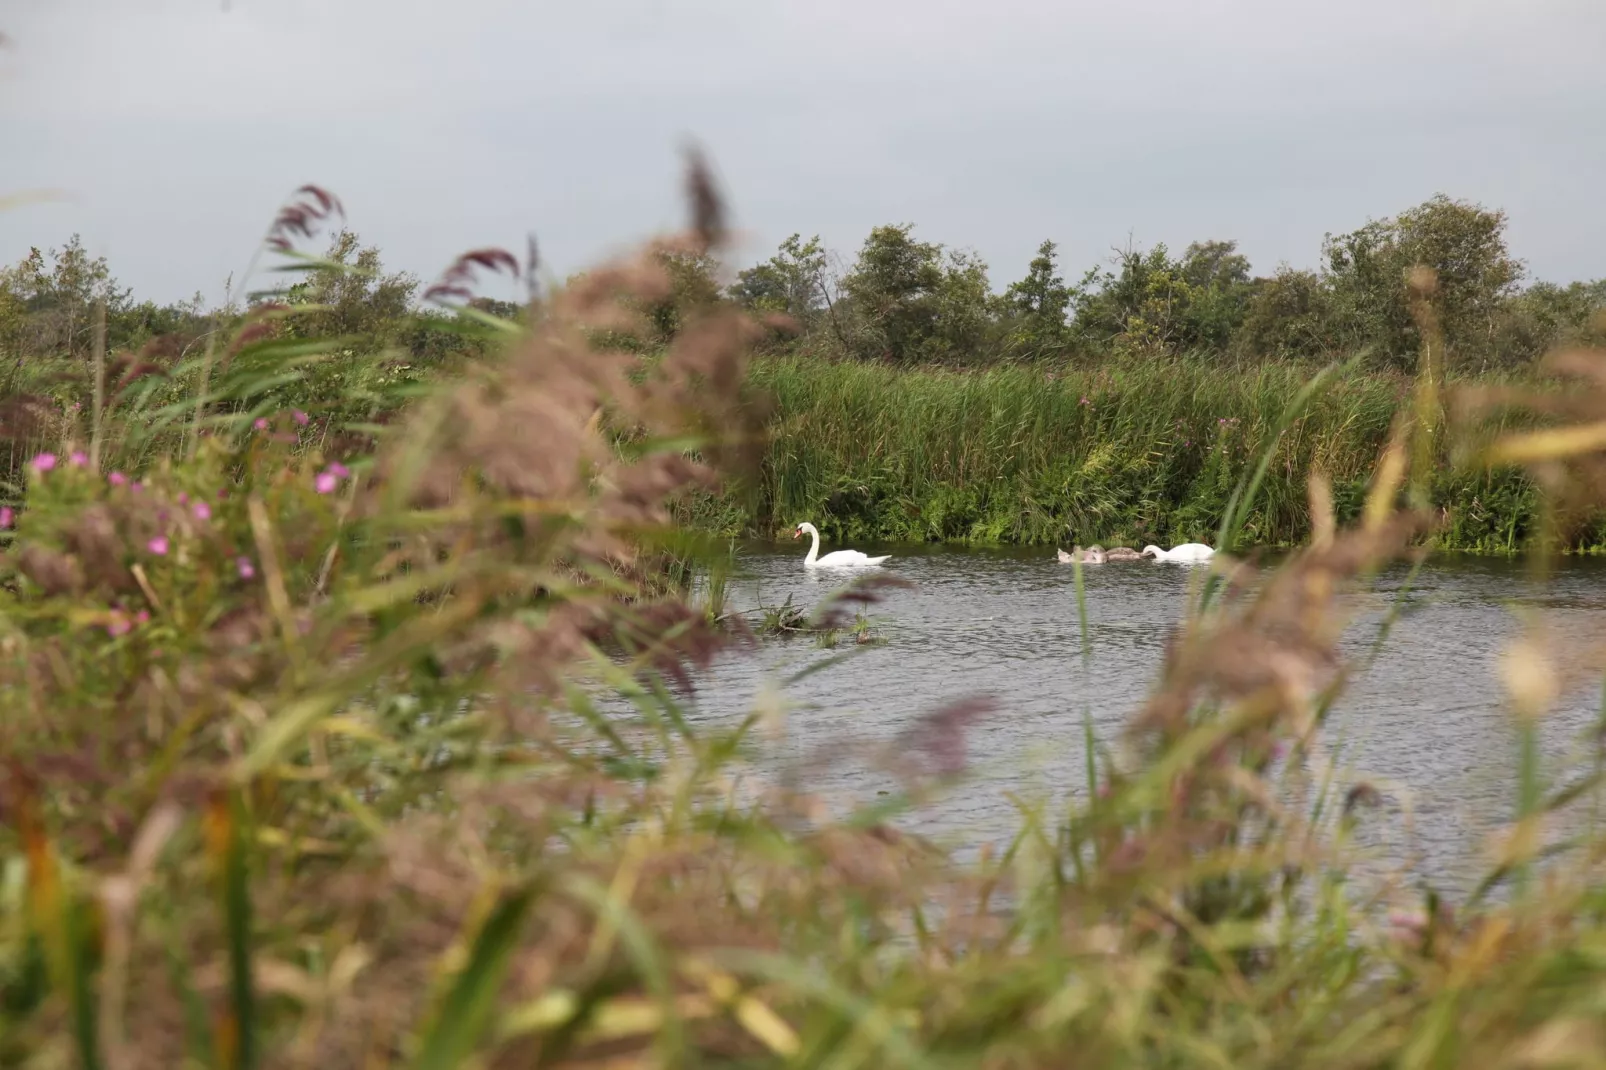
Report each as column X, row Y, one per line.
column 1188, row 551
column 835, row 559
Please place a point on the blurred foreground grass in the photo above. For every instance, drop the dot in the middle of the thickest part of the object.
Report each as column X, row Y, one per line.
column 304, row 764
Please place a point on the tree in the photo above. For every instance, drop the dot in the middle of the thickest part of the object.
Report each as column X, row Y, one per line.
column 59, row 292
column 1289, row 316
column 909, row 302
column 693, row 285
column 1464, row 243
column 790, row 282
column 1220, row 289
column 1038, row 305
column 1546, row 315
column 356, row 298
column 1155, row 304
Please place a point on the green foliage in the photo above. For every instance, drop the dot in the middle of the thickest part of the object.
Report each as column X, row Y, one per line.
column 381, row 766
column 1152, row 304
column 349, row 296
column 1287, row 317
column 58, row 292
column 792, row 282
column 910, row 303
column 1037, row 307
column 1137, row 451
column 1464, row 244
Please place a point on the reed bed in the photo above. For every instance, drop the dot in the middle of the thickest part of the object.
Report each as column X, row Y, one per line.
column 1134, row 452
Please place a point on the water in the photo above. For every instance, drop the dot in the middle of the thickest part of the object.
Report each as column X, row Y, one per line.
column 1428, row 722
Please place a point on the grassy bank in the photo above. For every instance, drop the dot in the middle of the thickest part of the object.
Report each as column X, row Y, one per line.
column 1137, row 452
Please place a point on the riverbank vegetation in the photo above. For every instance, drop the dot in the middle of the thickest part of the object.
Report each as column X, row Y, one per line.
column 910, row 400
column 308, row 761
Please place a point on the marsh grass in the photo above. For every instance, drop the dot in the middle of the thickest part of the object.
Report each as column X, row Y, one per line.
column 314, row 775
column 1126, row 453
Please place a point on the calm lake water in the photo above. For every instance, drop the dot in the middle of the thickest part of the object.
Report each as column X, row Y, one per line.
column 1427, row 723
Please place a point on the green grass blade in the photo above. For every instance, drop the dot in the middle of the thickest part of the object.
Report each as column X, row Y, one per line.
column 467, row 1009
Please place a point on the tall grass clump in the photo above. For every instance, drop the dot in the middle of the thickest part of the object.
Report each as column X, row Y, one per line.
column 307, row 763
column 1132, row 452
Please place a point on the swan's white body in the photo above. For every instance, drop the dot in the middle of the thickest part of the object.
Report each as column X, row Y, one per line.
column 836, row 558
column 1188, row 551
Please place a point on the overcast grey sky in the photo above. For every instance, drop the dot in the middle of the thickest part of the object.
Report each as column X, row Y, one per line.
column 177, row 126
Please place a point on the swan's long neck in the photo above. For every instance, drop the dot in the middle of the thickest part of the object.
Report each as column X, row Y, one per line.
column 814, row 547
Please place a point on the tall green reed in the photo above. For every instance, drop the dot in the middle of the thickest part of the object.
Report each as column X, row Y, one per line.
column 1133, row 452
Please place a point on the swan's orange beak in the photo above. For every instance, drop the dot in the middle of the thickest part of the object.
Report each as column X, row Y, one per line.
column 796, row 532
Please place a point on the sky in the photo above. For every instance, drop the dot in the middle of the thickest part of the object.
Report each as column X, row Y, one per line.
column 171, row 130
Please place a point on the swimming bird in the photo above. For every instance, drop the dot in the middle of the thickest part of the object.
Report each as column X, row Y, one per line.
column 1187, row 552
column 835, row 559
column 1093, row 555
column 1123, row 553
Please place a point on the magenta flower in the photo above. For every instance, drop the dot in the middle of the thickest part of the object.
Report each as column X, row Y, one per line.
column 202, row 511
column 300, row 418
column 183, row 499
column 325, row 482
column 78, row 458
column 261, row 423
column 119, row 625
column 143, row 616
column 338, row 470
column 7, row 516
column 44, row 462
column 158, row 546
column 246, row 569
column 136, row 486
column 117, row 479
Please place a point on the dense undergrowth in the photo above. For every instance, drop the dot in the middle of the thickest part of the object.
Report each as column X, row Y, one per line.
column 305, row 765
column 1128, row 453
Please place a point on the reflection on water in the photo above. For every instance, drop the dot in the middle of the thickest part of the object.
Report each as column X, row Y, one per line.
column 1427, row 721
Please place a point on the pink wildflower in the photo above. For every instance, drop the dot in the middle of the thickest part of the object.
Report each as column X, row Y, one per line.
column 158, row 546
column 7, row 516
column 143, row 616
column 300, row 418
column 338, row 470
column 202, row 511
column 119, row 624
column 261, row 423
column 117, row 479
column 136, row 486
column 78, row 458
column 325, row 482
column 183, row 499
column 44, row 462
column 246, row 568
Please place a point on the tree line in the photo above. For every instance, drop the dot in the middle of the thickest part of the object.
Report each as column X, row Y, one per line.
column 906, row 301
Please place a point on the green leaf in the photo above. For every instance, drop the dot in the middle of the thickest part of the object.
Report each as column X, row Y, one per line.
column 465, row 1013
